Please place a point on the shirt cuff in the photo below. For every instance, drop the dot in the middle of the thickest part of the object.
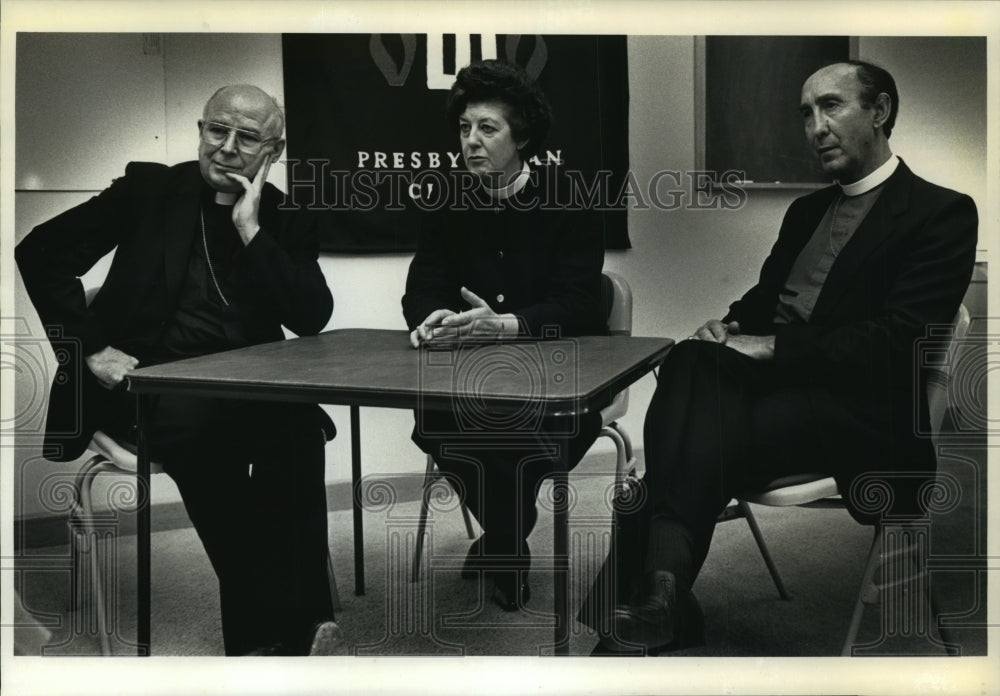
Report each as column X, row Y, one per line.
column 510, row 326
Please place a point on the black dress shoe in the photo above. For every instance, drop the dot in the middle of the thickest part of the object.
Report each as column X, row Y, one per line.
column 273, row 650
column 510, row 589
column 605, row 649
column 663, row 616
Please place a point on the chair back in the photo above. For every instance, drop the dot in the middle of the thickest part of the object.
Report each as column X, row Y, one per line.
column 618, row 299
column 939, row 372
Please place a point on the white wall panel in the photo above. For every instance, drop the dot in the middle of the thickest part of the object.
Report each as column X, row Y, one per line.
column 86, row 104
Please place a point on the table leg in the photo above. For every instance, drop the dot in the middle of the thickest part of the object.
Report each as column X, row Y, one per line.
column 359, row 532
column 560, row 497
column 143, row 530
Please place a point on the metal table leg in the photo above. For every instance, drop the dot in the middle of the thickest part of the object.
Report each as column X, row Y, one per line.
column 560, row 496
column 143, row 529
column 359, row 532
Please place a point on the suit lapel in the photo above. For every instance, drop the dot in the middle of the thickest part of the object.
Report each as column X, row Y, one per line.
column 875, row 230
column 179, row 225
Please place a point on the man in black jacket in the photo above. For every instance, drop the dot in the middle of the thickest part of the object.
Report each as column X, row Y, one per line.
column 204, row 261
column 813, row 368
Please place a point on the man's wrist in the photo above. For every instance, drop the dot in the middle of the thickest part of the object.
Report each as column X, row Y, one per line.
column 768, row 347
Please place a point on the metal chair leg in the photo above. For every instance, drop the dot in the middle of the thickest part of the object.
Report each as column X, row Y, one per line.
column 621, row 462
column 764, row 552
column 83, row 485
column 859, row 605
column 422, row 524
column 626, row 440
column 99, row 605
column 80, row 482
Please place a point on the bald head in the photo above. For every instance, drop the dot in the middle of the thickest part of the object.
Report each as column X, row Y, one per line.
column 249, row 98
column 254, row 123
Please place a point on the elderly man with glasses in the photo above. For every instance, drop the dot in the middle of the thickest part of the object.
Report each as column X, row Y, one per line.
column 205, row 261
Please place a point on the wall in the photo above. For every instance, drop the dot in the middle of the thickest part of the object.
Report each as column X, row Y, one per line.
column 941, row 132
column 686, row 265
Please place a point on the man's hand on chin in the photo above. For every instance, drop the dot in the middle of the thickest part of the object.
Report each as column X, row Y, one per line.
column 247, row 206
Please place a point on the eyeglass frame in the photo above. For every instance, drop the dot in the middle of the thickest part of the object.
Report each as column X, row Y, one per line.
column 232, row 130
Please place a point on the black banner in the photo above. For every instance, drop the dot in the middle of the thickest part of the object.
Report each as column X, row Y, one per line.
column 370, row 147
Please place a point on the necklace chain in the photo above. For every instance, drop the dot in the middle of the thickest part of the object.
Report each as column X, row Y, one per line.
column 211, row 271
column 833, row 224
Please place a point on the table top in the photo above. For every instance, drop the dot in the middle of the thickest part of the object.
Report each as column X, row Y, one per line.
column 375, row 367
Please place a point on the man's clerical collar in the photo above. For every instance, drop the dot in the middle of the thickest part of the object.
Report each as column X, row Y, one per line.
column 519, row 182
column 872, row 180
column 226, row 197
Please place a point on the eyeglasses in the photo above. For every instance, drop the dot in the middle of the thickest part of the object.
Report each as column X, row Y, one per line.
column 247, row 142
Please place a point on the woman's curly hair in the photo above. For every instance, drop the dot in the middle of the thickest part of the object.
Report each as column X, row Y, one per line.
column 526, row 108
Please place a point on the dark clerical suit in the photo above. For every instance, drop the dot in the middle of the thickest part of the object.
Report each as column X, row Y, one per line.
column 181, row 284
column 543, row 266
column 839, row 397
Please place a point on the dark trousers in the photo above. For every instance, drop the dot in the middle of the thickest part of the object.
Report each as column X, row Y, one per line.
column 498, row 472
column 718, row 423
column 251, row 476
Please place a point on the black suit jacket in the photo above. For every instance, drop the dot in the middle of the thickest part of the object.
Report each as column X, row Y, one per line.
column 907, row 267
column 151, row 216
column 541, row 264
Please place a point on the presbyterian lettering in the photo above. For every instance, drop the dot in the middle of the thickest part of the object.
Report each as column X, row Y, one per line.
column 406, row 160
column 376, row 159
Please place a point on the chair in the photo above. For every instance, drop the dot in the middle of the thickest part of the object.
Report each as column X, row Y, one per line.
column 120, row 458
column 819, row 490
column 618, row 298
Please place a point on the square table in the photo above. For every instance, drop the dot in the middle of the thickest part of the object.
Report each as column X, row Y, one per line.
column 373, row 367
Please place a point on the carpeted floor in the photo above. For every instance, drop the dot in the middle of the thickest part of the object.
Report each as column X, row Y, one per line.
column 820, row 554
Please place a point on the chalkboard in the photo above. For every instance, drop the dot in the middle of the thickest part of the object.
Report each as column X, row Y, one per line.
column 752, row 88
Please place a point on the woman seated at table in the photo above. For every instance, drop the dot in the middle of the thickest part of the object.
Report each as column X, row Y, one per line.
column 501, row 266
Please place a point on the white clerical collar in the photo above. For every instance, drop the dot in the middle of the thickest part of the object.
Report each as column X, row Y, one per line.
column 869, row 182
column 519, row 182
column 226, row 197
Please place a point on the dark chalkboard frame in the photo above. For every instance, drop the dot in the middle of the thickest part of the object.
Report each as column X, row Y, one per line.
column 772, row 124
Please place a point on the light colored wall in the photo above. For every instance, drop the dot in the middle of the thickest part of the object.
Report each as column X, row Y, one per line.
column 195, row 64
column 686, row 265
column 941, row 132
column 114, row 79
